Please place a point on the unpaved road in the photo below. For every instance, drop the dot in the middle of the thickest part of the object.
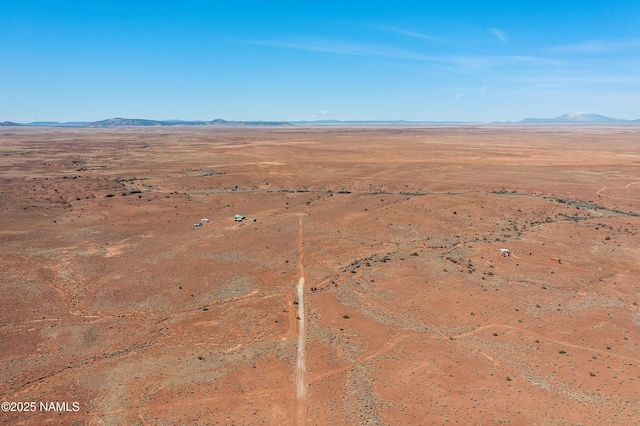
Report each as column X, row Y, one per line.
column 301, row 386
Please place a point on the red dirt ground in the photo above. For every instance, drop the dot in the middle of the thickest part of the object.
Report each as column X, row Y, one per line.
column 411, row 315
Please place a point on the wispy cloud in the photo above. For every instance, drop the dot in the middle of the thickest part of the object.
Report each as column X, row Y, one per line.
column 531, row 60
column 469, row 91
column 573, row 79
column 502, row 36
column 550, row 85
column 461, row 64
column 345, row 48
column 597, row 46
column 409, row 33
column 419, row 35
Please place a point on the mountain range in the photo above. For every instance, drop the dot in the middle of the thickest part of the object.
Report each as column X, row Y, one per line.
column 139, row 122
column 575, row 118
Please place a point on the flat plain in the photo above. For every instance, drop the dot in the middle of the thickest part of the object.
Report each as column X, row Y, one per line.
column 369, row 290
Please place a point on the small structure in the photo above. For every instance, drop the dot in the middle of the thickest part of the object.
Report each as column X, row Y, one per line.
column 196, row 225
column 555, row 259
column 505, row 252
column 204, row 220
column 251, row 219
column 238, row 218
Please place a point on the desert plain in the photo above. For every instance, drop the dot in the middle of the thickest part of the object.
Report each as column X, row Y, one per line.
column 369, row 290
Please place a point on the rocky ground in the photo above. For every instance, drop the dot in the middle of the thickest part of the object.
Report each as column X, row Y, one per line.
column 111, row 300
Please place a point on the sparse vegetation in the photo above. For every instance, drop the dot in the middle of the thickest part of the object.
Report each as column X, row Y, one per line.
column 121, row 261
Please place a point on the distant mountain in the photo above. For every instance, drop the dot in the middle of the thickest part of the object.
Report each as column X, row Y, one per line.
column 248, row 123
column 138, row 122
column 352, row 122
column 56, row 123
column 577, row 118
column 128, row 122
column 373, row 122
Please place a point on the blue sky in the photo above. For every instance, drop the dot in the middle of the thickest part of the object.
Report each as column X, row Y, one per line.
column 305, row 60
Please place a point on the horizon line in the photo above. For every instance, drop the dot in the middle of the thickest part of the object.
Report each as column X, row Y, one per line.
column 571, row 118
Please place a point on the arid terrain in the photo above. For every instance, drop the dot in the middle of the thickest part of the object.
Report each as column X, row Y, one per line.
column 369, row 290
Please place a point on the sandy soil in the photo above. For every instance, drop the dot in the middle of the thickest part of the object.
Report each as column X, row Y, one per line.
column 409, row 313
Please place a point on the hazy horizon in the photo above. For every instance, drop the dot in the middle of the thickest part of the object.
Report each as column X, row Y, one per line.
column 469, row 61
column 321, row 120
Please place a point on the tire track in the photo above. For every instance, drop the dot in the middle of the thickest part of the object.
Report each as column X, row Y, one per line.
column 545, row 338
column 362, row 360
column 618, row 187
